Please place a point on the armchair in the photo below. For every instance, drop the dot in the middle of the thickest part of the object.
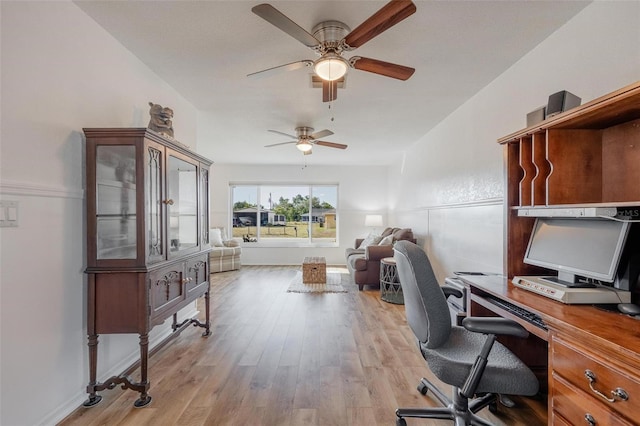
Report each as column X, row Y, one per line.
column 468, row 358
column 225, row 253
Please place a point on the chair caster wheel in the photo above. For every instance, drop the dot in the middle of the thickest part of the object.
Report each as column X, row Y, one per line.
column 506, row 401
column 422, row 388
column 401, row 422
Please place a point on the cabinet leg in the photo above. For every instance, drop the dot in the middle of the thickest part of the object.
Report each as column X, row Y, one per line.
column 174, row 324
column 196, row 323
column 207, row 324
column 94, row 398
column 145, row 398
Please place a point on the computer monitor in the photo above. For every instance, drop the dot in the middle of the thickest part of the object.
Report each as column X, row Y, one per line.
column 589, row 248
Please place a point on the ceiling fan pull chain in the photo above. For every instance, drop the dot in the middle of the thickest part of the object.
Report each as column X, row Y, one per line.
column 331, row 110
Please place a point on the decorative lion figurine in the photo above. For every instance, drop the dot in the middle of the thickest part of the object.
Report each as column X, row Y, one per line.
column 161, row 119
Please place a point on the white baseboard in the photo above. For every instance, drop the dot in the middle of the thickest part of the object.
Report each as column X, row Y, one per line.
column 80, row 397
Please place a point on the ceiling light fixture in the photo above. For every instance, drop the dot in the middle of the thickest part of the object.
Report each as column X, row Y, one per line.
column 304, row 145
column 331, row 66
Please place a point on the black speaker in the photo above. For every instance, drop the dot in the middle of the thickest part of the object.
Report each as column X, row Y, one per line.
column 560, row 102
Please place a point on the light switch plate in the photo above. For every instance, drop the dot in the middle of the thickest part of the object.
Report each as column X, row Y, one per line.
column 8, row 214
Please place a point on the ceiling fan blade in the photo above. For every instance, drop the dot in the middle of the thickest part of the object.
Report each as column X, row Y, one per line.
column 331, row 144
column 385, row 18
column 280, row 68
column 281, row 143
column 329, row 91
column 383, row 68
column 321, row 134
column 275, row 17
column 283, row 134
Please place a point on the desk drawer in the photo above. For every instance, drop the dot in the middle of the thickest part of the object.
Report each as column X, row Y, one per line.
column 573, row 364
column 580, row 409
column 558, row 420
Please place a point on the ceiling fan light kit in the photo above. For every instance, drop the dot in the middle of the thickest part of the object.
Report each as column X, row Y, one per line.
column 331, row 67
column 304, row 145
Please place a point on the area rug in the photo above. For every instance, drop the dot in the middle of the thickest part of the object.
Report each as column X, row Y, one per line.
column 333, row 284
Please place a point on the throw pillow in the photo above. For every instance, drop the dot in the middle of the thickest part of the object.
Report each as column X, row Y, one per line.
column 371, row 240
column 215, row 237
column 386, row 241
column 387, row 232
column 231, row 243
column 403, row 234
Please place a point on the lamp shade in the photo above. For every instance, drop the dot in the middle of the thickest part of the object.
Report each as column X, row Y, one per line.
column 373, row 220
column 331, row 67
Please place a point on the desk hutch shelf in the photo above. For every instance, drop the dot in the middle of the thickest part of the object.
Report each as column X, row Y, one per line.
column 584, row 157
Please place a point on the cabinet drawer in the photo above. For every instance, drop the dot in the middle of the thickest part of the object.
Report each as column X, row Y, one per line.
column 573, row 365
column 197, row 270
column 166, row 288
column 579, row 408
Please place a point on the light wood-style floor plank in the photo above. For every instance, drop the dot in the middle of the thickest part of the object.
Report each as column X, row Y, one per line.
column 287, row 359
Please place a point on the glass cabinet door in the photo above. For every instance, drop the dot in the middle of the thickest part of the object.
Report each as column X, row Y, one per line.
column 204, row 206
column 154, row 163
column 182, row 204
column 116, row 202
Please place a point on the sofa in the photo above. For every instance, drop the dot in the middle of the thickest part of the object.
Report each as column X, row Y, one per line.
column 225, row 253
column 363, row 260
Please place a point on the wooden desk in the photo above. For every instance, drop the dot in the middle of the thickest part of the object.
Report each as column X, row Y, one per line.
column 581, row 341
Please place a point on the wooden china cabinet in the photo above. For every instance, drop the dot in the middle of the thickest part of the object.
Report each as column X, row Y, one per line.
column 147, row 240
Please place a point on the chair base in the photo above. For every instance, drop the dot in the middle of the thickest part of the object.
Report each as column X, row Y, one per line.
column 461, row 410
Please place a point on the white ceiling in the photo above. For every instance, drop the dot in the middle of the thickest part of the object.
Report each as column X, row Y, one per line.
column 205, row 49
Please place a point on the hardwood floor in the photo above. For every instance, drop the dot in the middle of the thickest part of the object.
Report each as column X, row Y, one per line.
column 278, row 358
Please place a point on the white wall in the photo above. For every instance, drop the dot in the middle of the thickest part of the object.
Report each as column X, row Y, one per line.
column 361, row 190
column 60, row 72
column 450, row 186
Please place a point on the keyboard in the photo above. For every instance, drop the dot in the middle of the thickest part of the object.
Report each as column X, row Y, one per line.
column 517, row 311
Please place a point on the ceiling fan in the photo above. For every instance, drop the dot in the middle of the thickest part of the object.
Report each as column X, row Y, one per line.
column 305, row 139
column 331, row 38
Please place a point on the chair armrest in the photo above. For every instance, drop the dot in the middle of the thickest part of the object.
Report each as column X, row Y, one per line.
column 378, row 252
column 450, row 291
column 494, row 325
column 360, row 264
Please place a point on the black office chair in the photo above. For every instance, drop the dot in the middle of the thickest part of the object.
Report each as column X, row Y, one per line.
column 467, row 358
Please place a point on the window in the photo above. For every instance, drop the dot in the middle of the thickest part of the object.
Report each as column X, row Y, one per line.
column 285, row 214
